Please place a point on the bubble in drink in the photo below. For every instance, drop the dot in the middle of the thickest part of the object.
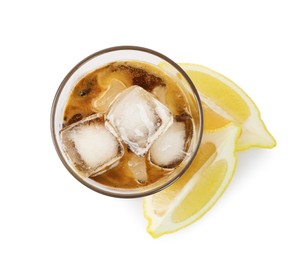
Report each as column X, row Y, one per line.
column 138, row 118
column 90, row 146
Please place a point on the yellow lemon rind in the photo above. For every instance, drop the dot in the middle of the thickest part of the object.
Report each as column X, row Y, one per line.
column 254, row 130
column 149, row 215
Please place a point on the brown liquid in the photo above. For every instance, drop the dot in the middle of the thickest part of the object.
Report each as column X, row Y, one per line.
column 79, row 106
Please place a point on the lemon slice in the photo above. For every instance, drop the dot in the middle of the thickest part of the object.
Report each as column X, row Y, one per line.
column 191, row 196
column 231, row 103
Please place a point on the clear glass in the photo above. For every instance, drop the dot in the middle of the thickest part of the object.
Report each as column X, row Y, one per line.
column 122, row 53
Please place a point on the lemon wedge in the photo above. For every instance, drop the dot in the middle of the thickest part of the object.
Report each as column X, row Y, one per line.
column 226, row 102
column 192, row 195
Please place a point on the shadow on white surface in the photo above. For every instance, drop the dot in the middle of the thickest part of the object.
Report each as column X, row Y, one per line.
column 250, row 162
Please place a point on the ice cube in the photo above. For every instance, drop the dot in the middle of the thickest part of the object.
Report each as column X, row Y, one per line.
column 137, row 166
column 160, row 93
column 103, row 101
column 170, row 149
column 90, row 146
column 138, row 118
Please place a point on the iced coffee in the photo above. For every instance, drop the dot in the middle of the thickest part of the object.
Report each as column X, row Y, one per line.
column 126, row 125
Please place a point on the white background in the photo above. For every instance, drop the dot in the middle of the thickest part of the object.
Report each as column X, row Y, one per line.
column 46, row 214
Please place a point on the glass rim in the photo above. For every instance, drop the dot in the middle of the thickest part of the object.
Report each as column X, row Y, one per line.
column 137, row 193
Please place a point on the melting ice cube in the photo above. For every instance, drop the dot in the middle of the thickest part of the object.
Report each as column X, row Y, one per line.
column 137, row 166
column 160, row 93
column 90, row 146
column 138, row 118
column 103, row 101
column 169, row 150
